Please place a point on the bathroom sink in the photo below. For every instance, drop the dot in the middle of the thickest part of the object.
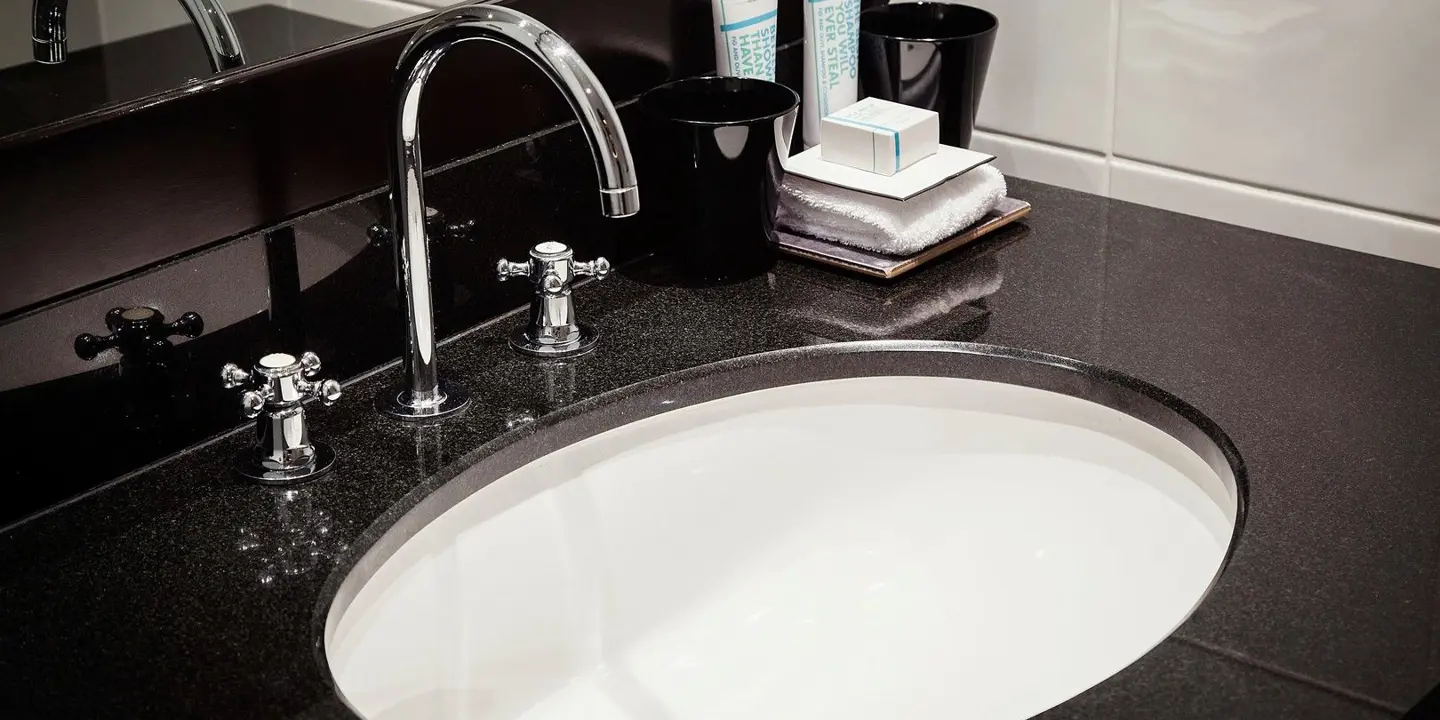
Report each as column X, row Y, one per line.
column 870, row 530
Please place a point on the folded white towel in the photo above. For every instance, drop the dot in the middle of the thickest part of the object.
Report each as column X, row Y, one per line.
column 880, row 224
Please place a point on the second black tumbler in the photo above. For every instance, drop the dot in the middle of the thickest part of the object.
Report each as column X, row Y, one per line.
column 930, row 55
column 710, row 169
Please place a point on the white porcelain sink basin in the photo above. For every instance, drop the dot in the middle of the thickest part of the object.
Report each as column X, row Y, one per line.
column 901, row 546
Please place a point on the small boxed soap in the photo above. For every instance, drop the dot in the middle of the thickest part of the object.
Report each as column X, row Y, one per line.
column 879, row 136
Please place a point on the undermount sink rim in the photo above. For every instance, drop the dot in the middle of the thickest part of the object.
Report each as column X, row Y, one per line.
column 512, row 449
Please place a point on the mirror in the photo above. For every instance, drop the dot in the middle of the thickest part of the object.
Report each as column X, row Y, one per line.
column 62, row 60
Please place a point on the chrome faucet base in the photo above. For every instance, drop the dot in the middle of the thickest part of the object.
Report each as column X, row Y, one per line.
column 275, row 394
column 251, row 466
column 394, row 401
column 553, row 331
column 583, row 343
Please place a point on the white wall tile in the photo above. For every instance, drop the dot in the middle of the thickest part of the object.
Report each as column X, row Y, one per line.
column 1050, row 75
column 1330, row 98
column 1325, row 222
column 1017, row 157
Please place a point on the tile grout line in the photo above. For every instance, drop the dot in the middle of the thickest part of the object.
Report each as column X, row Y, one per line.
column 1243, row 659
column 1190, row 174
column 1112, row 89
column 1047, row 144
column 1275, row 189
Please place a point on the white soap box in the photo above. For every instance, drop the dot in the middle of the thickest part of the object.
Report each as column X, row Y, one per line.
column 879, row 136
column 947, row 163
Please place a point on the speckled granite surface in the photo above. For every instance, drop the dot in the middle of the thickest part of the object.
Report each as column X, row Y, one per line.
column 182, row 592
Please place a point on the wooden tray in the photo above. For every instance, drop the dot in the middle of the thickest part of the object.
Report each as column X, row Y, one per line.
column 874, row 264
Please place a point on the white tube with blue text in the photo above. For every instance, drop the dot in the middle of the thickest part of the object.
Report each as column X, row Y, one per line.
column 745, row 36
column 832, row 60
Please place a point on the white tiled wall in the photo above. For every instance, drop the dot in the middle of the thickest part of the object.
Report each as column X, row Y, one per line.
column 1313, row 118
column 1063, row 108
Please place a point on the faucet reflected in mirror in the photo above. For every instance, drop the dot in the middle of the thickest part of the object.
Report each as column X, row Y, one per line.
column 424, row 395
column 49, row 31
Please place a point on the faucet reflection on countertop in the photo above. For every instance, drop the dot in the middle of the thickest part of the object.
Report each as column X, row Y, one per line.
column 293, row 540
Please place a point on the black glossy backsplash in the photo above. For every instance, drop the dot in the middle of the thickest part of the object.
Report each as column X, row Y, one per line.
column 320, row 284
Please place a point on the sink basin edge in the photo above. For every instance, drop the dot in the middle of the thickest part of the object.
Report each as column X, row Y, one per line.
column 685, row 388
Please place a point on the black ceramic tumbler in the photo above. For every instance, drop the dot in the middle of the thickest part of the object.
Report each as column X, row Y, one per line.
column 710, row 171
column 930, row 55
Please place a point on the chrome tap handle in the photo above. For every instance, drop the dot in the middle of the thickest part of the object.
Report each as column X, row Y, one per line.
column 251, row 403
column 233, row 376
column 275, row 392
column 326, row 391
column 553, row 331
column 506, row 269
column 310, row 363
column 598, row 268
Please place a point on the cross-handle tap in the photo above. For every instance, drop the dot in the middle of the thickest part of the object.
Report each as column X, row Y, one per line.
column 553, row 331
column 140, row 333
column 279, row 385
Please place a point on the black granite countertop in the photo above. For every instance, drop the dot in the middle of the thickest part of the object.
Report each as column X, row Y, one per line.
column 183, row 592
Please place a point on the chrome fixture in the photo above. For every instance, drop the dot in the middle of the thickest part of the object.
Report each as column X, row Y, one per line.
column 424, row 395
column 553, row 331
column 48, row 32
column 283, row 452
column 139, row 333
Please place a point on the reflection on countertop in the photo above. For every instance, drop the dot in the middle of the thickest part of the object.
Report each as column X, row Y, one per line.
column 298, row 538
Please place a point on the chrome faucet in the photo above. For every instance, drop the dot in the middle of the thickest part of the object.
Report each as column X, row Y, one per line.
column 553, row 331
column 423, row 394
column 48, row 32
column 276, row 391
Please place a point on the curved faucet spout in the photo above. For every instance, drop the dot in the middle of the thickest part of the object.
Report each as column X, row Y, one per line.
column 48, row 32
column 549, row 52
column 423, row 395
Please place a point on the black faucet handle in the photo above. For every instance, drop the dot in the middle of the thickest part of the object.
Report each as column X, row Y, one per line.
column 189, row 325
column 436, row 229
column 88, row 347
column 138, row 331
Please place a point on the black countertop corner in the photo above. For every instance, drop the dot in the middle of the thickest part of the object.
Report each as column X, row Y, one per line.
column 167, row 595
